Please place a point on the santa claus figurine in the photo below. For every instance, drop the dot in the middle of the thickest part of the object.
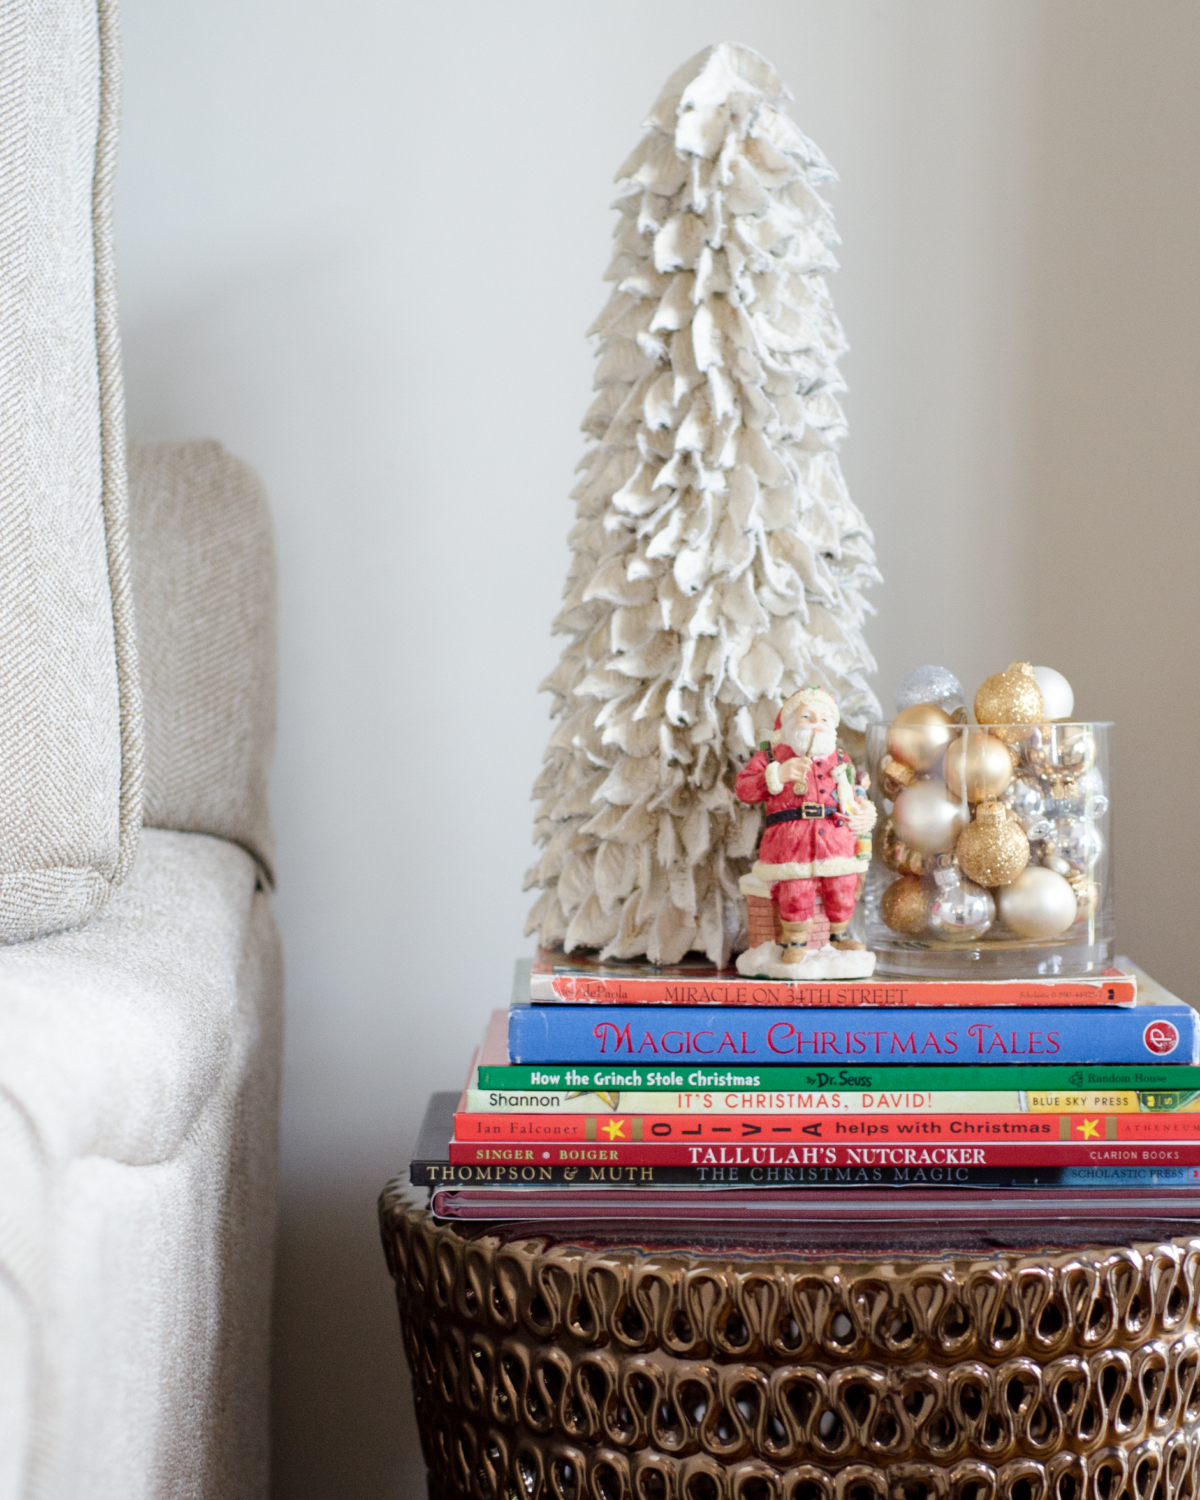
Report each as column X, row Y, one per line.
column 815, row 817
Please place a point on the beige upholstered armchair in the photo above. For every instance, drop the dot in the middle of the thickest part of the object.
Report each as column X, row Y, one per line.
column 139, row 972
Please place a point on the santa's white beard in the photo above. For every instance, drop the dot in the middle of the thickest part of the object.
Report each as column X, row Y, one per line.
column 804, row 740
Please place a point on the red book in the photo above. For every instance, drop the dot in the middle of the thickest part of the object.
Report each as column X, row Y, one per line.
column 950, row 1129
column 575, row 979
column 531, row 1156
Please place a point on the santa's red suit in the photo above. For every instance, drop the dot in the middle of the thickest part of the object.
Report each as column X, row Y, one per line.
column 807, row 838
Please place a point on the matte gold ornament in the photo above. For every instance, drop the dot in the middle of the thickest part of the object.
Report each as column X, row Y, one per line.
column 927, row 819
column 905, row 906
column 918, row 735
column 1009, row 699
column 977, row 765
column 1038, row 904
column 994, row 849
column 896, row 854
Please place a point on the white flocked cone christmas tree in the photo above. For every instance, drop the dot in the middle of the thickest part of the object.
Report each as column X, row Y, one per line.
column 717, row 560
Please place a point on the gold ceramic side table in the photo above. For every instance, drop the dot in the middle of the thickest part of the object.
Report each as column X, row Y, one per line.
column 546, row 1370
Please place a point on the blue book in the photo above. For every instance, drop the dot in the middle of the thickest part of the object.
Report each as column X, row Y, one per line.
column 1159, row 1032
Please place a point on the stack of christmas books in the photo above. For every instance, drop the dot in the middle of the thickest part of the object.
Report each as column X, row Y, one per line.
column 627, row 1091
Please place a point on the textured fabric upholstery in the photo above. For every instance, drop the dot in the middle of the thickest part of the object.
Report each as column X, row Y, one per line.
column 138, row 1096
column 139, row 1021
column 204, row 581
column 70, row 718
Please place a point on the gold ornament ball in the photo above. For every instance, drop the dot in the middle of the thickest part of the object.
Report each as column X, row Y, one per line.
column 1038, row 904
column 926, row 819
column 905, row 906
column 1010, row 698
column 978, row 766
column 994, row 849
column 918, row 735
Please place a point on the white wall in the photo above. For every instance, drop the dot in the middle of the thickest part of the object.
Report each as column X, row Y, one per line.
column 360, row 244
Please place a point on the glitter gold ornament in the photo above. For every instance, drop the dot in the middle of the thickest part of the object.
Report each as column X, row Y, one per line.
column 1010, row 699
column 1038, row 904
column 926, row 819
column 977, row 765
column 905, row 905
column 994, row 849
column 918, row 735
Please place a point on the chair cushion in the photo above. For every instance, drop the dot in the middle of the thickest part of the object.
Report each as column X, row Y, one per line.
column 70, row 718
column 138, row 1132
column 204, row 580
column 115, row 1035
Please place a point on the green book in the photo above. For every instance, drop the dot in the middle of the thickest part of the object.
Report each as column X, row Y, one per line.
column 1170, row 1080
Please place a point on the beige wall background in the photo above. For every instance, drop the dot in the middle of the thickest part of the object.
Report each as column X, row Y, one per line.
column 360, row 244
column 1113, row 489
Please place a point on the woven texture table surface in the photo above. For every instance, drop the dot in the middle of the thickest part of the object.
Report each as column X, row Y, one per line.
column 600, row 1371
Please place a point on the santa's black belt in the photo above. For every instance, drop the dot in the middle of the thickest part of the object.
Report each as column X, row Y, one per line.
column 804, row 812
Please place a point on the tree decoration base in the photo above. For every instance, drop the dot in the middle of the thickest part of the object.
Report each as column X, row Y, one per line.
column 765, row 962
column 546, row 1369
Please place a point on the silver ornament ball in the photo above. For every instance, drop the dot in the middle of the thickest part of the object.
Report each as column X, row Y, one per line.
column 1065, row 749
column 1079, row 805
column 962, row 910
column 1090, row 787
column 934, row 685
column 1024, row 798
column 1074, row 840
